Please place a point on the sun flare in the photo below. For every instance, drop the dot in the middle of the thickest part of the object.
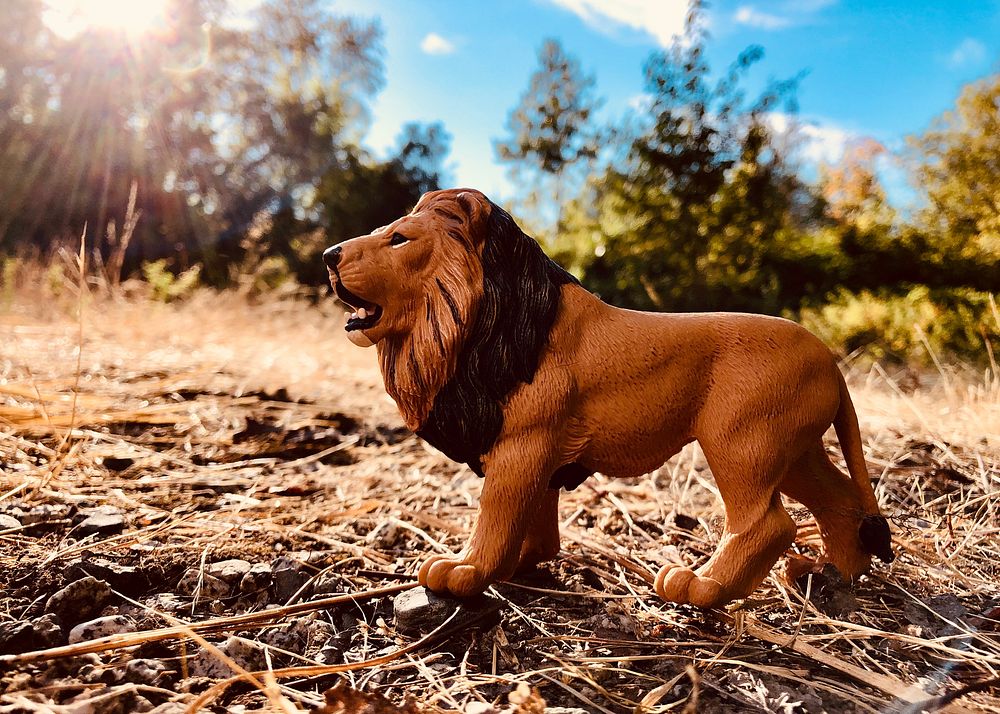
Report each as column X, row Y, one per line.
column 131, row 17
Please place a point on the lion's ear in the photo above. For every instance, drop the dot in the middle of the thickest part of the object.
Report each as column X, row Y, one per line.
column 477, row 207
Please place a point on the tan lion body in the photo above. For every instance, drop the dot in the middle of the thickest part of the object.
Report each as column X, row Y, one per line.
column 619, row 392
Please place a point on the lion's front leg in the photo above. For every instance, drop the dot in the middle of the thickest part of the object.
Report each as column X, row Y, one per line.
column 518, row 469
column 511, row 493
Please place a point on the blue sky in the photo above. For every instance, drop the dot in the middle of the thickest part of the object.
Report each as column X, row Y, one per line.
column 882, row 68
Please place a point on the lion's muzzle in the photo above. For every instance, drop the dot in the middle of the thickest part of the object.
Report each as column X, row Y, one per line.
column 365, row 314
column 331, row 256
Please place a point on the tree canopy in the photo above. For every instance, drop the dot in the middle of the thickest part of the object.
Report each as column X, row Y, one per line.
column 704, row 204
column 214, row 120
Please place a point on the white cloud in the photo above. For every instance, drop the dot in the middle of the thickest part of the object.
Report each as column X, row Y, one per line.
column 434, row 44
column 641, row 102
column 790, row 13
column 968, row 52
column 661, row 19
column 817, row 143
column 825, row 143
column 750, row 16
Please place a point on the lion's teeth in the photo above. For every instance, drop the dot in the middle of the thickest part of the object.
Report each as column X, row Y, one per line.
column 347, row 316
column 362, row 313
column 354, row 316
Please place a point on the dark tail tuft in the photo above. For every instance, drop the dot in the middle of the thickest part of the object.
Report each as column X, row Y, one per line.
column 875, row 538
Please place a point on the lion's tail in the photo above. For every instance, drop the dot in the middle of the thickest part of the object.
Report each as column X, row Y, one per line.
column 874, row 529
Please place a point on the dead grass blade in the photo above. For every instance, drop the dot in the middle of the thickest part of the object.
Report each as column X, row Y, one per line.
column 215, row 625
column 439, row 632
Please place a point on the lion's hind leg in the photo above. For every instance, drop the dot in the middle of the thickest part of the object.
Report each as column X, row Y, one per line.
column 740, row 563
column 833, row 499
column 541, row 539
column 758, row 531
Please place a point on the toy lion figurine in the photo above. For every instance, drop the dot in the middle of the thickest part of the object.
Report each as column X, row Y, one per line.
column 502, row 360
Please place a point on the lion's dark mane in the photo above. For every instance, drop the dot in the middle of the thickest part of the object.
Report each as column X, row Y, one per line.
column 521, row 289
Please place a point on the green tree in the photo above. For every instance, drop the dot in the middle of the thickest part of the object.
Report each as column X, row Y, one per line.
column 359, row 193
column 957, row 167
column 694, row 215
column 214, row 121
column 551, row 132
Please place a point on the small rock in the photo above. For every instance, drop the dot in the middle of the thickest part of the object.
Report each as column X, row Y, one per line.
column 169, row 602
column 48, row 630
column 123, row 578
column 202, row 585
column 229, row 571
column 245, row 654
column 286, row 578
column 420, row 610
column 8, row 522
column 16, row 637
column 329, row 583
column 80, row 600
column 101, row 627
column 146, row 547
column 45, row 518
column 144, row 671
column 934, row 613
column 299, row 634
column 257, row 579
column 45, row 513
column 330, row 655
column 103, row 520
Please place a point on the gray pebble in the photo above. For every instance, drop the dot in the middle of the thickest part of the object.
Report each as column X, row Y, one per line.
column 203, row 585
column 287, row 577
column 256, row 579
column 420, row 610
column 101, row 627
column 300, row 634
column 48, row 630
column 80, row 600
column 101, row 523
column 123, row 578
column 144, row 671
column 229, row 571
column 245, row 654
column 45, row 513
column 16, row 637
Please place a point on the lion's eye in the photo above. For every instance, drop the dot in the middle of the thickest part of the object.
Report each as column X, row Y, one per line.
column 398, row 240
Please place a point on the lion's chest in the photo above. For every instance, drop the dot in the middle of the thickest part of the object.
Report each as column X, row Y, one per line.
column 630, row 431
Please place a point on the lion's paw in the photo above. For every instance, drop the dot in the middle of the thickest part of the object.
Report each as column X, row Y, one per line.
column 531, row 558
column 452, row 576
column 680, row 584
column 797, row 567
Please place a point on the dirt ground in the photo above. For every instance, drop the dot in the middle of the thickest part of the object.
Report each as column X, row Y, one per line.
column 213, row 506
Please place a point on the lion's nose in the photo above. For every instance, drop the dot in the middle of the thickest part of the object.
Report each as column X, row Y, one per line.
column 331, row 256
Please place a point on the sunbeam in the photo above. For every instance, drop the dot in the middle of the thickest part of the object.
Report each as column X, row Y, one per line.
column 134, row 19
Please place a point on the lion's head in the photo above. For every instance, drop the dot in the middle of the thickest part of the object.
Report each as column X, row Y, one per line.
column 459, row 303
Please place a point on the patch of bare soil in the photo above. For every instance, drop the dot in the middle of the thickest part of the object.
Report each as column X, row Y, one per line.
column 221, row 512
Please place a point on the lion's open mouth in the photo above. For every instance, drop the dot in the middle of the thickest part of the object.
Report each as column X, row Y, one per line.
column 366, row 314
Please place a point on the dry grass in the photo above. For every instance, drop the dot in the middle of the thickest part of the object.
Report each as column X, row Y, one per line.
column 163, row 400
